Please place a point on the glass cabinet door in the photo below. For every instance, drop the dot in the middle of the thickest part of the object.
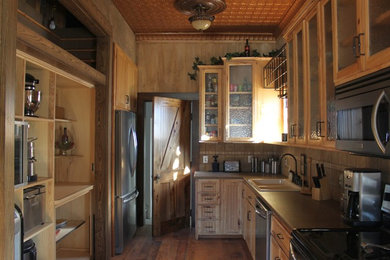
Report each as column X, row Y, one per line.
column 239, row 125
column 315, row 123
column 329, row 87
column 347, row 39
column 291, row 92
column 377, row 32
column 210, row 105
column 300, row 90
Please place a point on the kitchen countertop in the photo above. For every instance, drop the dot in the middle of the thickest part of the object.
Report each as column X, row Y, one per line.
column 296, row 210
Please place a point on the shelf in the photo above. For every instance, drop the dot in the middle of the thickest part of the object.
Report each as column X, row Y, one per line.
column 64, row 193
column 250, row 107
column 36, row 230
column 211, row 125
column 37, row 119
column 240, row 92
column 63, row 120
column 242, row 125
column 72, row 254
column 213, row 108
column 211, row 93
column 41, row 180
column 70, row 156
column 70, row 226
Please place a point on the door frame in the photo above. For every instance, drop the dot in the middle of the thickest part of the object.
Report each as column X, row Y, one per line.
column 194, row 147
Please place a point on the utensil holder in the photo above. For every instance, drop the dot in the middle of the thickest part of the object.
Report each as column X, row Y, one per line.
column 322, row 193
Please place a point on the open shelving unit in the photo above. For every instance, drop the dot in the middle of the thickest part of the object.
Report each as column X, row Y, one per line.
column 68, row 179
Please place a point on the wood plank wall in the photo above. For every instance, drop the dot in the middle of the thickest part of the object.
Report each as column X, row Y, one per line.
column 163, row 65
column 7, row 111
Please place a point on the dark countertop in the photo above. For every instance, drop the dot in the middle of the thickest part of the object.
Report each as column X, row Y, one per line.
column 296, row 210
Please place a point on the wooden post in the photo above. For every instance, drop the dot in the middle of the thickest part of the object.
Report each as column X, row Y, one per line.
column 7, row 112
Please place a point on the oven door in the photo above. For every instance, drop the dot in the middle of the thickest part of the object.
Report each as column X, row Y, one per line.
column 363, row 123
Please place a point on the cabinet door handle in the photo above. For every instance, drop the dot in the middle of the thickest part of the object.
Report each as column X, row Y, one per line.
column 248, row 215
column 319, row 128
column 356, row 45
column 280, row 236
column 292, row 130
column 361, row 53
column 127, row 99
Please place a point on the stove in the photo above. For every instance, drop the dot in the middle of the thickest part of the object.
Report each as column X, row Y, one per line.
column 340, row 243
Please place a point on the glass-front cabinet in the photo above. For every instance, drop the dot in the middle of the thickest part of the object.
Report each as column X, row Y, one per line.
column 239, row 105
column 210, row 100
column 361, row 32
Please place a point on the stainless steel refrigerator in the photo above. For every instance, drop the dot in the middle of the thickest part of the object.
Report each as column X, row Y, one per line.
column 126, row 191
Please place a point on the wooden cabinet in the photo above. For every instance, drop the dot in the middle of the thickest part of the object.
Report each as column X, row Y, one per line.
column 231, row 200
column 361, row 37
column 249, row 219
column 218, row 207
column 67, row 102
column 125, row 76
column 210, row 103
column 241, row 106
column 311, row 91
column 280, row 240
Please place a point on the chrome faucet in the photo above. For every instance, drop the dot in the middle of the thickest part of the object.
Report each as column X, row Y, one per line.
column 296, row 178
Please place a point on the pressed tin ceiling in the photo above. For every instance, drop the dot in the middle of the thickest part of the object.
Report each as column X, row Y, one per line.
column 250, row 17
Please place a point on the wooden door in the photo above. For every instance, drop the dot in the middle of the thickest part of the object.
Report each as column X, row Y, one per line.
column 171, row 178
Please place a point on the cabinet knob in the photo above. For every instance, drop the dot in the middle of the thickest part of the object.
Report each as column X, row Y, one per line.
column 280, row 236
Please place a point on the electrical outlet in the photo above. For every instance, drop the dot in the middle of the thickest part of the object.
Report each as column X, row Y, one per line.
column 205, row 159
column 250, row 158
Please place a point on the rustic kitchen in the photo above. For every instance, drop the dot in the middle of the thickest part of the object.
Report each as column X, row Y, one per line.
column 204, row 129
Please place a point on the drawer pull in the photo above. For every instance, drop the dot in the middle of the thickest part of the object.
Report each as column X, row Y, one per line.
column 208, row 199
column 209, row 186
column 277, row 258
column 208, row 226
column 208, row 211
column 280, row 236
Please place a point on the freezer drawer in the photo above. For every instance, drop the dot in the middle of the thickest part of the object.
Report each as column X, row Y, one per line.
column 125, row 220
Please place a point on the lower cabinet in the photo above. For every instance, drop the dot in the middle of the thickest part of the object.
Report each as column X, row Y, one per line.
column 280, row 240
column 249, row 218
column 218, row 207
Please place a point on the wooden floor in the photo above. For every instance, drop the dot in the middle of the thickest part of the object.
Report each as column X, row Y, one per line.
column 182, row 245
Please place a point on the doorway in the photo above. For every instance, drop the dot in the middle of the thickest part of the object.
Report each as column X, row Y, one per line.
column 145, row 165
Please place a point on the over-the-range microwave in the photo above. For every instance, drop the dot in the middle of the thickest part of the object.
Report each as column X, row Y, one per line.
column 363, row 115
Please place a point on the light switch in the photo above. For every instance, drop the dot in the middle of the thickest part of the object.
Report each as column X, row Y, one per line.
column 205, row 159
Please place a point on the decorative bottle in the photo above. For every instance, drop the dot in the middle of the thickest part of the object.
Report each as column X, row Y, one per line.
column 65, row 138
column 247, row 48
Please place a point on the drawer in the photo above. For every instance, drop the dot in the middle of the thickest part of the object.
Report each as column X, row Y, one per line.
column 281, row 235
column 208, row 212
column 205, row 227
column 208, row 185
column 207, row 198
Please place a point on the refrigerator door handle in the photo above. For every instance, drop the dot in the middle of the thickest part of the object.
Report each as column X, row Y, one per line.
column 134, row 196
column 133, row 164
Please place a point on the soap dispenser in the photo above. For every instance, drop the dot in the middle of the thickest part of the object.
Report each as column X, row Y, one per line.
column 215, row 164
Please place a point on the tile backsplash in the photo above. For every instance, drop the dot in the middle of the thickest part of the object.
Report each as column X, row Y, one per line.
column 334, row 161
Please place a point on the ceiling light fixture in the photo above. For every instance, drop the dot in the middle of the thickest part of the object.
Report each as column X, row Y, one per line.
column 201, row 11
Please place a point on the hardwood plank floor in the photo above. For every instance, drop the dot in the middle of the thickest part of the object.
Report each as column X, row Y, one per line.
column 182, row 245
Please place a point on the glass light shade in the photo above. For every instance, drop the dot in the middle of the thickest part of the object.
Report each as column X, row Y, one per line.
column 201, row 25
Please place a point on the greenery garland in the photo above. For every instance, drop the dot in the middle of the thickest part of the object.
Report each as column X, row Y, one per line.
column 228, row 56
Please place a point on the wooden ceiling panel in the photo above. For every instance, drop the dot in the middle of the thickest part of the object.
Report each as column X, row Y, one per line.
column 240, row 16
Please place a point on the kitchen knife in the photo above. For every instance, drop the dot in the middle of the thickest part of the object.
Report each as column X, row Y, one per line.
column 318, row 171
column 322, row 170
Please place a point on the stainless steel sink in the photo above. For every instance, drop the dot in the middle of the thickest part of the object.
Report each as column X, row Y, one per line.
column 274, row 185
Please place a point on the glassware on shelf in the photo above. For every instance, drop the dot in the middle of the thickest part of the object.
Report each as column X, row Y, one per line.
column 65, row 144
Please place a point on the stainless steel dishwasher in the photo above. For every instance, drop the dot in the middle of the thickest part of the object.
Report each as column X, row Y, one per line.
column 263, row 230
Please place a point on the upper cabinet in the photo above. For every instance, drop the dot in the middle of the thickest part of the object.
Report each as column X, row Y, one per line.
column 235, row 106
column 210, row 103
column 125, row 76
column 311, row 112
column 240, row 94
column 361, row 37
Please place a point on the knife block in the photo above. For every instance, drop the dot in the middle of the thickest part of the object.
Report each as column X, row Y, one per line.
column 322, row 193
